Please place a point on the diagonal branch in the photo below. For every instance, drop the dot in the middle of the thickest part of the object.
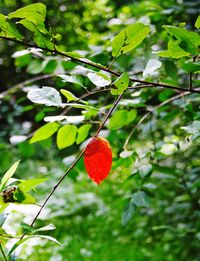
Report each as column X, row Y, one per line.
column 74, row 163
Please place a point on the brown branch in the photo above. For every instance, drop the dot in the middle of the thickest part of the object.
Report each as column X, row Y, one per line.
column 152, row 111
column 190, row 75
column 24, row 83
column 74, row 163
column 98, row 66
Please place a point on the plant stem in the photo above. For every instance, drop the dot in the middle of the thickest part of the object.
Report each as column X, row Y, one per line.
column 3, row 253
column 98, row 66
column 73, row 164
column 109, row 113
column 152, row 111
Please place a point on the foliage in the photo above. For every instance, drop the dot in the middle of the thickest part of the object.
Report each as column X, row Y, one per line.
column 71, row 64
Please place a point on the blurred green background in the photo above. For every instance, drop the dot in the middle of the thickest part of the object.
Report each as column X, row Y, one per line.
column 91, row 222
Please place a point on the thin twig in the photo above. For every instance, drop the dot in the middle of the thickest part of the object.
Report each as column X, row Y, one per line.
column 152, row 111
column 3, row 253
column 24, row 83
column 73, row 164
column 109, row 113
column 190, row 75
column 98, row 66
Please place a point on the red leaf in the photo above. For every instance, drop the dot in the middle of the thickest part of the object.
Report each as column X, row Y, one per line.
column 98, row 159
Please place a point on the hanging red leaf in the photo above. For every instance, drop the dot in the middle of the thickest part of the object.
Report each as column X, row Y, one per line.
column 98, row 159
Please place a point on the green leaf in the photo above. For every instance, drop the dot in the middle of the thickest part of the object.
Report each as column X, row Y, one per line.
column 23, row 197
column 131, row 115
column 71, row 78
column 45, row 132
column 151, row 67
column 48, row 96
column 188, row 41
column 174, row 50
column 121, row 118
column 99, row 79
column 34, row 12
column 129, row 38
column 121, row 83
column 29, row 230
column 70, row 96
column 140, row 199
column 8, row 175
column 197, row 23
column 117, row 120
column 9, row 30
column 27, row 185
column 66, row 136
column 3, row 205
column 83, row 133
column 189, row 66
column 128, row 213
column 30, row 237
column 40, row 35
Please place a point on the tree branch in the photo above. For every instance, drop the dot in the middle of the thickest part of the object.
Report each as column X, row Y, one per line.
column 98, row 66
column 74, row 163
column 152, row 111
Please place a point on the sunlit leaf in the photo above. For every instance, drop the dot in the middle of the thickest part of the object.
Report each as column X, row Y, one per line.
column 66, row 136
column 99, row 79
column 48, row 96
column 129, row 38
column 83, row 133
column 8, row 175
column 44, row 132
column 151, row 67
column 121, row 84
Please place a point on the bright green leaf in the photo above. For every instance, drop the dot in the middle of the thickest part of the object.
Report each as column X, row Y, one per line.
column 9, row 30
column 27, row 185
column 8, row 175
column 34, row 12
column 129, row 38
column 45, row 132
column 197, row 23
column 188, row 41
column 121, row 83
column 83, row 133
column 174, row 50
column 121, row 118
column 117, row 120
column 131, row 115
column 66, row 136
column 70, row 96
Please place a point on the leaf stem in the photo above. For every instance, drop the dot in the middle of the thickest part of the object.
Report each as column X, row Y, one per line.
column 3, row 253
